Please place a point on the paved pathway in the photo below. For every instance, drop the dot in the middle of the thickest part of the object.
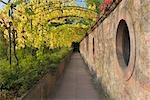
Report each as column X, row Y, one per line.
column 76, row 83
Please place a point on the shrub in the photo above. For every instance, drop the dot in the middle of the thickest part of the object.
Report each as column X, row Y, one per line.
column 16, row 80
column 53, row 67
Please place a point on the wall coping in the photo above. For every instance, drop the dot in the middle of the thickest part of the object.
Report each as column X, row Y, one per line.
column 103, row 17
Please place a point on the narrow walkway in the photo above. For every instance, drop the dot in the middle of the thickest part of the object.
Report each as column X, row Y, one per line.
column 76, row 83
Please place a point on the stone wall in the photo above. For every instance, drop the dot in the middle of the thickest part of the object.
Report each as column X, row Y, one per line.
column 121, row 81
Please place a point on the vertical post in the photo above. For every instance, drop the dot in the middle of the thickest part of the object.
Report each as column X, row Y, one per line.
column 32, row 50
column 14, row 43
column 9, row 33
column 42, row 40
column 10, row 37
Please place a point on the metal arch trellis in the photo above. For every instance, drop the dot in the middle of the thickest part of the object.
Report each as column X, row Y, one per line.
column 58, row 8
column 79, row 7
column 12, row 7
column 54, row 8
column 45, row 5
column 69, row 7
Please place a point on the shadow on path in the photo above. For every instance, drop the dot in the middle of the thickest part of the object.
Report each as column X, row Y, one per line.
column 76, row 84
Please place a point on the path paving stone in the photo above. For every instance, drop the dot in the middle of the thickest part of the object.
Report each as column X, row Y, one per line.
column 76, row 83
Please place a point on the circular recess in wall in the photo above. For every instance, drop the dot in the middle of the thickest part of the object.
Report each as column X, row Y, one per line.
column 123, row 44
column 125, row 48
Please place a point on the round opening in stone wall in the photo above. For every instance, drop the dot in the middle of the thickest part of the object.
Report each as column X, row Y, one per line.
column 123, row 44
